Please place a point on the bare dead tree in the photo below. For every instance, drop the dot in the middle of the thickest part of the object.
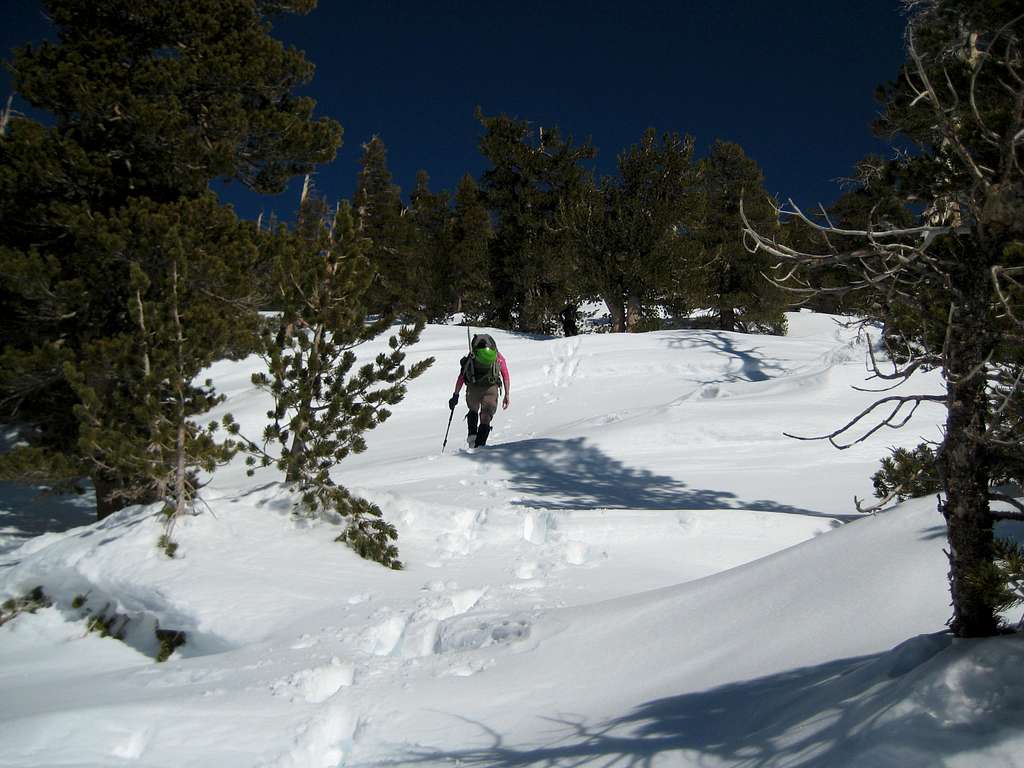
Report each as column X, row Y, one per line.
column 951, row 288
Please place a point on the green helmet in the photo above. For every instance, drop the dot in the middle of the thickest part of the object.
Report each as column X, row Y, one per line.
column 485, row 355
column 484, row 349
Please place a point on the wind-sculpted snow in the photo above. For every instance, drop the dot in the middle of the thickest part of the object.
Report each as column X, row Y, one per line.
column 641, row 571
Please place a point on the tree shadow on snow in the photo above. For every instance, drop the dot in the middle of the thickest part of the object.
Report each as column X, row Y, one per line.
column 753, row 367
column 570, row 474
column 838, row 713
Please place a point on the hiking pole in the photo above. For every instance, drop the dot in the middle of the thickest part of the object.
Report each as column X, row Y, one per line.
column 450, row 417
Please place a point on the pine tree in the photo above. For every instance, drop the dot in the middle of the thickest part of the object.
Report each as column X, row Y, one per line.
column 183, row 267
column 379, row 217
column 856, row 209
column 136, row 91
column 957, row 98
column 534, row 263
column 431, row 260
column 470, row 260
column 630, row 229
column 733, row 283
column 323, row 402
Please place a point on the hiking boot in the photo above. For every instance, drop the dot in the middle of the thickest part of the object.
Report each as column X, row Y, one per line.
column 481, row 435
column 472, row 419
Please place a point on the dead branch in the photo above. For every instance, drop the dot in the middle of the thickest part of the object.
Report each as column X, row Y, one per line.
column 892, row 421
column 1009, row 273
column 949, row 131
column 1001, row 514
column 899, row 374
column 864, row 233
column 879, row 504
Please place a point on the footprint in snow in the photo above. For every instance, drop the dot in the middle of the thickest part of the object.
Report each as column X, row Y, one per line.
column 131, row 746
column 381, row 639
column 527, row 570
column 317, row 684
column 439, row 585
column 304, row 641
column 471, row 632
column 325, row 740
column 467, row 670
column 415, row 636
column 576, row 553
column 529, row 585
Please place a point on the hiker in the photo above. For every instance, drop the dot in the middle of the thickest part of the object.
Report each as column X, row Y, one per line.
column 485, row 374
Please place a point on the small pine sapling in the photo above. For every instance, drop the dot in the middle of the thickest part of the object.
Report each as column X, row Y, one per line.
column 323, row 400
column 1010, row 561
column 167, row 545
column 168, row 640
column 107, row 622
column 907, row 474
column 1001, row 582
column 28, row 603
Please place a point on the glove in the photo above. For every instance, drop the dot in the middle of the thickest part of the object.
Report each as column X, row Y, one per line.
column 453, row 402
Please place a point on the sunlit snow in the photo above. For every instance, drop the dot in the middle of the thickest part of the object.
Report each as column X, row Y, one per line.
column 640, row 571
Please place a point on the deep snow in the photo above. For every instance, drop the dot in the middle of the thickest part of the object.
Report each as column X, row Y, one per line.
column 642, row 570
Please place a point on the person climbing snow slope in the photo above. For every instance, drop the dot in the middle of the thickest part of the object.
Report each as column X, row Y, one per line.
column 485, row 374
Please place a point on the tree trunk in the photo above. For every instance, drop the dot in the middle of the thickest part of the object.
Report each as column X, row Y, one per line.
column 106, row 504
column 569, row 324
column 964, row 462
column 727, row 318
column 296, row 456
column 112, row 495
column 632, row 313
column 618, row 313
column 181, row 464
column 180, row 474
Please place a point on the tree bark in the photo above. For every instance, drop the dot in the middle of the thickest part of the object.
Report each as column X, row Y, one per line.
column 105, row 502
column 296, row 454
column 964, row 461
column 632, row 313
column 569, row 320
column 727, row 318
column 180, row 473
column 618, row 313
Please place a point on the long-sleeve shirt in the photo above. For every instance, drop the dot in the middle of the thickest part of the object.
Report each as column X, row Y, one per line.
column 504, row 375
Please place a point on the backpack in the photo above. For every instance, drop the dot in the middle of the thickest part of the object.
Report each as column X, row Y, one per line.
column 478, row 375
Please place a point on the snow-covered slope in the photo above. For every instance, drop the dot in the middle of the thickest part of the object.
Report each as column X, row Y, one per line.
column 641, row 571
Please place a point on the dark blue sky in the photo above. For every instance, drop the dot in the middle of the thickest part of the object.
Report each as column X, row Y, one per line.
column 791, row 82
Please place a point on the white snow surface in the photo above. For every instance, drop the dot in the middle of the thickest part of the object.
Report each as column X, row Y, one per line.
column 642, row 570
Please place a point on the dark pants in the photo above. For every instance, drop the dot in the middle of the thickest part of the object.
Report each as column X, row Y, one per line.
column 484, row 400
